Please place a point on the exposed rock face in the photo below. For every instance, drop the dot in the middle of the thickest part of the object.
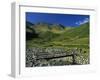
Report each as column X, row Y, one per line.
column 44, row 57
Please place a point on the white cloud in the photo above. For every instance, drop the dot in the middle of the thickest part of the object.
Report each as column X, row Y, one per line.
column 82, row 22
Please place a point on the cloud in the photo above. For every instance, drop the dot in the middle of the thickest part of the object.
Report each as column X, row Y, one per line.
column 82, row 22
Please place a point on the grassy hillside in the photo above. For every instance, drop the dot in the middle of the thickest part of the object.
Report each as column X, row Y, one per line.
column 81, row 31
column 44, row 35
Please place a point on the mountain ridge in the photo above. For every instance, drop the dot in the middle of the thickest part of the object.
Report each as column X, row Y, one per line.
column 56, row 34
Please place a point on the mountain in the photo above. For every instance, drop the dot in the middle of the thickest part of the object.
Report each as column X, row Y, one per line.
column 76, row 35
column 45, row 34
column 29, row 24
column 30, row 32
column 42, row 27
column 81, row 31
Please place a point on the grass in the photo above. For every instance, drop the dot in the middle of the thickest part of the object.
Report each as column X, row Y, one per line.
column 67, row 38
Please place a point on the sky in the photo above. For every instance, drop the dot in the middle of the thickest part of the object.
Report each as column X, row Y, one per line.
column 71, row 20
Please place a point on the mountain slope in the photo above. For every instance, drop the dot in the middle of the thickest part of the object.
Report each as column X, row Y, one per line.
column 44, row 34
column 81, row 31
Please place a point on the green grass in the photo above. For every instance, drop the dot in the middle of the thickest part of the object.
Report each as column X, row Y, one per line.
column 59, row 37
